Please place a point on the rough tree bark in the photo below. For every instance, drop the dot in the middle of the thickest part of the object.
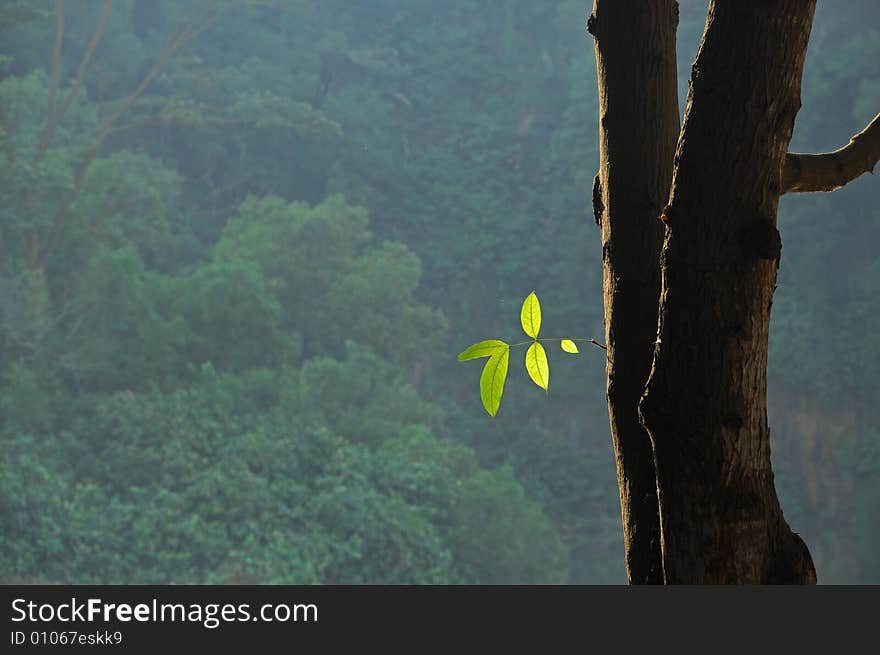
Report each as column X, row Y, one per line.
column 705, row 406
column 639, row 124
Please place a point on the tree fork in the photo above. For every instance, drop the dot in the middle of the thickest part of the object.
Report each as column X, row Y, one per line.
column 638, row 130
column 705, row 405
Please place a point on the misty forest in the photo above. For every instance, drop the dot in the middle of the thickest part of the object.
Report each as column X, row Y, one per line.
column 242, row 243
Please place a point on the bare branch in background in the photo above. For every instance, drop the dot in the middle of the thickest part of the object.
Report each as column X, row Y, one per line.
column 86, row 59
column 54, row 82
column 186, row 33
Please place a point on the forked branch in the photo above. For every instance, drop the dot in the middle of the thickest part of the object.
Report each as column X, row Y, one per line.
column 184, row 35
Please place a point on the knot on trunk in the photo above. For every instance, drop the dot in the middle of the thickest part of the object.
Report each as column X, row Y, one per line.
column 761, row 239
column 598, row 206
column 591, row 25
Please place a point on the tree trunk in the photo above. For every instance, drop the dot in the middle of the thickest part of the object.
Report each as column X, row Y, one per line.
column 638, row 130
column 706, row 405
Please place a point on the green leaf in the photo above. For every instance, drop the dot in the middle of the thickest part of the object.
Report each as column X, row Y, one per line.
column 569, row 346
column 530, row 315
column 537, row 366
column 482, row 349
column 492, row 381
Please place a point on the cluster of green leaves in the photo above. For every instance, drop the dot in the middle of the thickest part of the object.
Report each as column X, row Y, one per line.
column 495, row 371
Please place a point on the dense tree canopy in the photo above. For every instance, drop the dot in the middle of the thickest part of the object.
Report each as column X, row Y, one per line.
column 231, row 300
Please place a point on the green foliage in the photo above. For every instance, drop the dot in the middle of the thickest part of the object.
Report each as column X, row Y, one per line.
column 330, row 284
column 233, row 320
column 494, row 505
column 124, row 337
column 495, row 371
column 362, row 396
column 530, row 315
column 32, row 188
column 15, row 13
column 31, row 398
column 569, row 346
column 483, row 349
column 222, row 483
column 492, row 381
column 537, row 366
column 129, row 199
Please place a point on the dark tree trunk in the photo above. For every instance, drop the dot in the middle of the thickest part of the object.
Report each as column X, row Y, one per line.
column 705, row 405
column 638, row 130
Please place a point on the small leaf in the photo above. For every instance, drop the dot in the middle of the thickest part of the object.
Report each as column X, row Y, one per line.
column 530, row 315
column 569, row 346
column 492, row 381
column 537, row 366
column 482, row 349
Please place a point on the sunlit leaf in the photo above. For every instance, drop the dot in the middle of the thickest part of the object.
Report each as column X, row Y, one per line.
column 492, row 381
column 530, row 315
column 569, row 346
column 482, row 349
column 537, row 366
